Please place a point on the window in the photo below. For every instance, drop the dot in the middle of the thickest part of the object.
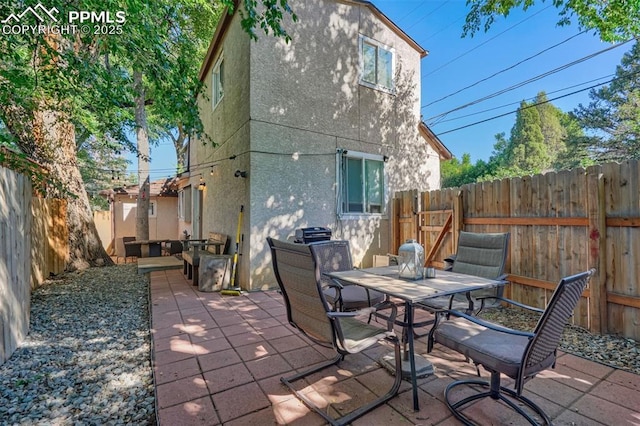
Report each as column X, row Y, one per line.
column 376, row 64
column 362, row 183
column 184, row 204
column 217, row 81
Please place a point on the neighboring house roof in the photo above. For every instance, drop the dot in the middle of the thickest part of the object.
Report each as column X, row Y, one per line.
column 226, row 20
column 158, row 188
column 434, row 141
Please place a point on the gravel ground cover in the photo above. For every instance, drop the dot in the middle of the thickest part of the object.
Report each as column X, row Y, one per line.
column 606, row 349
column 86, row 360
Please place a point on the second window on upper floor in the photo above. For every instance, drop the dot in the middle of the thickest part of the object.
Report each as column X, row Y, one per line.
column 217, row 81
column 377, row 63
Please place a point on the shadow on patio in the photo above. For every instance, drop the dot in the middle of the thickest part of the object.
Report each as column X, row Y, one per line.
column 218, row 360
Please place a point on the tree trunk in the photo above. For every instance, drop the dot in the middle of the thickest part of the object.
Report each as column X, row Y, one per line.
column 181, row 148
column 142, row 136
column 48, row 137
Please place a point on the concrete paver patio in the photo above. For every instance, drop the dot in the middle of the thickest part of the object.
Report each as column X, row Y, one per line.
column 218, row 360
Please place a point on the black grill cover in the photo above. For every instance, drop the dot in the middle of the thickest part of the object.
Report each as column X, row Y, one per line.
column 310, row 235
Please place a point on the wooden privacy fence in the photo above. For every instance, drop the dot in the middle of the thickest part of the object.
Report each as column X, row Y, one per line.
column 560, row 223
column 49, row 239
column 33, row 244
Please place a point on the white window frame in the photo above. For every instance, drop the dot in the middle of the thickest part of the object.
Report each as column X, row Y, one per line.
column 365, row 41
column 217, row 82
column 184, row 204
column 342, row 188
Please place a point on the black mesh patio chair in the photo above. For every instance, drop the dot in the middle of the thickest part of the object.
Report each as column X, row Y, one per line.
column 298, row 277
column 501, row 350
column 480, row 254
column 335, row 256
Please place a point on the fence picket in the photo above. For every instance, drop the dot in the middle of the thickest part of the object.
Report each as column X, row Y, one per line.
column 543, row 251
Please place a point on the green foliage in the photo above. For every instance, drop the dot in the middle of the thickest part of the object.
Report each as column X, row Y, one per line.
column 19, row 162
column 88, row 77
column 542, row 138
column 613, row 116
column 456, row 173
column 613, row 20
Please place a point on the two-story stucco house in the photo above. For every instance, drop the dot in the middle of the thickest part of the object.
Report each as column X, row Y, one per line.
column 318, row 132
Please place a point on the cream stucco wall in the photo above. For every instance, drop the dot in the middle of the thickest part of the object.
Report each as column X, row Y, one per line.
column 163, row 226
column 287, row 108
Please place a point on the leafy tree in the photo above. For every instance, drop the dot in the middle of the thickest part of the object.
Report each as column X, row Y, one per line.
column 57, row 88
column 613, row 116
column 457, row 173
column 613, row 20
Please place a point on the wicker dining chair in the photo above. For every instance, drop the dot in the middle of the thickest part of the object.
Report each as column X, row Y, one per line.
column 500, row 350
column 298, row 277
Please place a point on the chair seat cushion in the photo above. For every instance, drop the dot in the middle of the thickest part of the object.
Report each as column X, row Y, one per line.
column 359, row 335
column 496, row 351
column 439, row 303
column 354, row 297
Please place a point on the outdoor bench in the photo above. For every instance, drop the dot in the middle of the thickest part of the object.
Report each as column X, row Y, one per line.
column 216, row 244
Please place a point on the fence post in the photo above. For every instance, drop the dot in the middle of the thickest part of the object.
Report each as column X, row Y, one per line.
column 458, row 219
column 597, row 249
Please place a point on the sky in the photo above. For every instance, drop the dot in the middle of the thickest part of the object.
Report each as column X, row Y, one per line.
column 520, row 56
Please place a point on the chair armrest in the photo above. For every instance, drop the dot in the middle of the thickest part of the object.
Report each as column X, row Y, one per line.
column 487, row 324
column 509, row 301
column 373, row 310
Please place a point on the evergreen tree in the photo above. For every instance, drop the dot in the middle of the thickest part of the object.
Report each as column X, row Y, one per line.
column 553, row 131
column 527, row 152
column 613, row 115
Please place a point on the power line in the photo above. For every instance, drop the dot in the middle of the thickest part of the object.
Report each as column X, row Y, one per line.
column 504, row 70
column 426, row 16
column 485, row 42
column 455, row 21
column 523, row 108
column 529, row 99
column 409, row 14
column 438, row 117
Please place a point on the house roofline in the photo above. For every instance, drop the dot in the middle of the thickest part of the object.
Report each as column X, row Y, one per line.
column 225, row 21
column 435, row 141
column 221, row 28
column 422, row 51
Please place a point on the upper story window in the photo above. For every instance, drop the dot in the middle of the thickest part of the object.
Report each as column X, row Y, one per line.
column 362, row 183
column 377, row 63
column 217, row 82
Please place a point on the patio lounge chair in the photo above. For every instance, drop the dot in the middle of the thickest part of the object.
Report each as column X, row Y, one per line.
column 298, row 277
column 334, row 256
column 480, row 254
column 500, row 350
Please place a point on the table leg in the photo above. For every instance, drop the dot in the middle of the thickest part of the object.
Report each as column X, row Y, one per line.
column 413, row 366
column 412, row 360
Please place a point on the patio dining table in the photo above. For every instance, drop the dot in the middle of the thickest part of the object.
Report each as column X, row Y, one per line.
column 386, row 280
